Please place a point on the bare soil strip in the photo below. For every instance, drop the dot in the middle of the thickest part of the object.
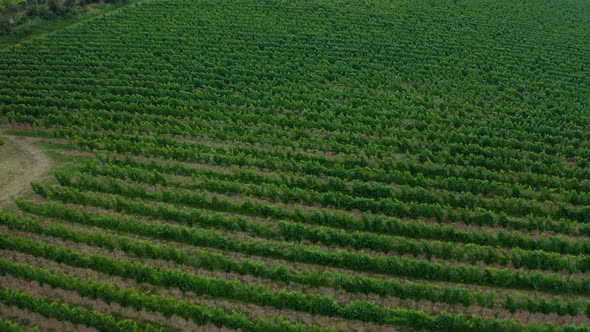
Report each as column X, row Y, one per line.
column 21, row 163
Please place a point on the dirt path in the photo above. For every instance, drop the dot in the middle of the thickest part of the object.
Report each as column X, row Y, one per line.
column 21, row 163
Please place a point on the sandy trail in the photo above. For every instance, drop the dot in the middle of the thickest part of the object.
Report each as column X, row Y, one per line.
column 21, row 163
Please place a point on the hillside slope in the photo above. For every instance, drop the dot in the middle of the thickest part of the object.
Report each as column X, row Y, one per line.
column 306, row 164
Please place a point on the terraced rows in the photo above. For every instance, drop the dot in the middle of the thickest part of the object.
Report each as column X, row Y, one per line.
column 304, row 165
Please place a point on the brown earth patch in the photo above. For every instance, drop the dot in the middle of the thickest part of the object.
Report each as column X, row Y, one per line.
column 21, row 163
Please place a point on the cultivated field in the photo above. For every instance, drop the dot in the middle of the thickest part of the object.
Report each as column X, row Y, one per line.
column 293, row 165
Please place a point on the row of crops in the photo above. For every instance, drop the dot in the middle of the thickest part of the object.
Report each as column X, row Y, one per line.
column 304, row 165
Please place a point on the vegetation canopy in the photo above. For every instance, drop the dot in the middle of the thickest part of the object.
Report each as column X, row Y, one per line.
column 294, row 165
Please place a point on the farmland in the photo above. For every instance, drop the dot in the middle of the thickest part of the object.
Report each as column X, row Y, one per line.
column 303, row 165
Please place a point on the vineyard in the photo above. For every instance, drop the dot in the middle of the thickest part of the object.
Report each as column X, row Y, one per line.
column 303, row 165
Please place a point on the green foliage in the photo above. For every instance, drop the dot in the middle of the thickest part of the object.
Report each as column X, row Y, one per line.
column 9, row 326
column 22, row 18
column 340, row 159
column 127, row 297
column 63, row 311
